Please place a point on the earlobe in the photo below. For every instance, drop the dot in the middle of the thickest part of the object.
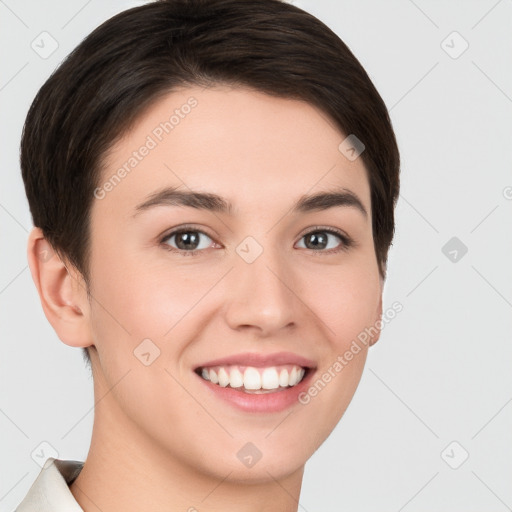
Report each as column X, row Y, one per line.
column 63, row 297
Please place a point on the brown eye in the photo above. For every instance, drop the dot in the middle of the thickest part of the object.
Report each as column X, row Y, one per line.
column 324, row 240
column 316, row 240
column 187, row 240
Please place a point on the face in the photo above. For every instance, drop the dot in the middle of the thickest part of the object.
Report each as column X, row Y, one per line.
column 223, row 290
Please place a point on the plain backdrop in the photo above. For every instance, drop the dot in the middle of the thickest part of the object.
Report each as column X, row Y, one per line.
column 429, row 426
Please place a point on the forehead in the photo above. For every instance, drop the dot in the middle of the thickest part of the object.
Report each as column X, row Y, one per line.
column 249, row 147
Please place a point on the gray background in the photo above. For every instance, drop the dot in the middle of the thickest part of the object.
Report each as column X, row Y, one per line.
column 441, row 371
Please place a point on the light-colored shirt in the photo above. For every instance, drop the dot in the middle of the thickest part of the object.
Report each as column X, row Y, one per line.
column 50, row 491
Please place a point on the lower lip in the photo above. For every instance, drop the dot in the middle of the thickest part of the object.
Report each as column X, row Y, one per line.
column 263, row 402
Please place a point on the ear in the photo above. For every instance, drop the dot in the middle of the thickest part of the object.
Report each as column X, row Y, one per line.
column 378, row 315
column 62, row 292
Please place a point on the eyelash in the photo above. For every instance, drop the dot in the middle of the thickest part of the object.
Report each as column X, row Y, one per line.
column 346, row 241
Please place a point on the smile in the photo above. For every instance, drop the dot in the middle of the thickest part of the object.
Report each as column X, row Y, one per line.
column 249, row 379
column 258, row 383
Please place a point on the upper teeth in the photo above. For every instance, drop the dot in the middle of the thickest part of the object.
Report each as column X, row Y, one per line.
column 253, row 378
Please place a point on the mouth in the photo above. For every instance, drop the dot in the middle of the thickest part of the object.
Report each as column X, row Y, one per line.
column 257, row 383
column 254, row 380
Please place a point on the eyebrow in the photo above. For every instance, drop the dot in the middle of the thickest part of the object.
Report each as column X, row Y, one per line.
column 171, row 196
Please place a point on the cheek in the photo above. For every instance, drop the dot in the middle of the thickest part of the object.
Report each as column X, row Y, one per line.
column 346, row 300
column 145, row 299
column 146, row 306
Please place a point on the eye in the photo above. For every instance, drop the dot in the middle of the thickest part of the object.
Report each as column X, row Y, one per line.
column 324, row 240
column 187, row 241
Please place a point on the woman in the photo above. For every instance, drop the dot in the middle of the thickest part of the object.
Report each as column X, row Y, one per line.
column 212, row 185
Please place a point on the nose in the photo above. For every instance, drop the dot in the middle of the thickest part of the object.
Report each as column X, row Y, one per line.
column 262, row 296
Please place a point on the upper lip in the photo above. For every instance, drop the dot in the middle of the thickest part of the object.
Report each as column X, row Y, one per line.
column 260, row 360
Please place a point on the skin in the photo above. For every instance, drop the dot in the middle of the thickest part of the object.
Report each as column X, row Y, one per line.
column 158, row 436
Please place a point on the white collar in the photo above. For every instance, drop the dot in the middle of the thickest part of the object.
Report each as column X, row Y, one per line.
column 50, row 491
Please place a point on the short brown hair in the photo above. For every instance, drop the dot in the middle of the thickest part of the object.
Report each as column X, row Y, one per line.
column 141, row 54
